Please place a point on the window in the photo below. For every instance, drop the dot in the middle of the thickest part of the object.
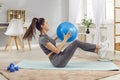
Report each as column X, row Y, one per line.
column 109, row 14
column 109, row 9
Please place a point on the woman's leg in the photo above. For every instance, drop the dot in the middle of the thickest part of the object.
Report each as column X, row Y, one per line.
column 63, row 58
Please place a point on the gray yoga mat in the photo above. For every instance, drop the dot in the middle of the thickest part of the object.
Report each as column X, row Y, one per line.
column 31, row 64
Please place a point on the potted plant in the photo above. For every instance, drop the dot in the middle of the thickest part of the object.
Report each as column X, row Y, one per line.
column 87, row 23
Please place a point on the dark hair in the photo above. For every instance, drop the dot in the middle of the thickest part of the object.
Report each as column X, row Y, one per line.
column 36, row 23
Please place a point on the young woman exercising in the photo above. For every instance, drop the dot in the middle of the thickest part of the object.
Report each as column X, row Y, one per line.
column 57, row 57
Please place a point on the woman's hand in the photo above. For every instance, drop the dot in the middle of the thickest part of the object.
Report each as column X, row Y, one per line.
column 67, row 36
column 55, row 38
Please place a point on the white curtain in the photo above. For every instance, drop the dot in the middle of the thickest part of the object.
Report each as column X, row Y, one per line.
column 97, row 12
column 76, row 11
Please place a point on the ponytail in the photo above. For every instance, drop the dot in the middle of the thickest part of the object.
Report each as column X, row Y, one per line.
column 36, row 23
column 31, row 30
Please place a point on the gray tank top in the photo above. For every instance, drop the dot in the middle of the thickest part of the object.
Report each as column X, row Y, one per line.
column 43, row 39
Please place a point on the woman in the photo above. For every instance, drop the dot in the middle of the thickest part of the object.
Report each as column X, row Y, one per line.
column 57, row 57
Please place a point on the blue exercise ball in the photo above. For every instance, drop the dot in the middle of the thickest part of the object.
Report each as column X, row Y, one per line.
column 64, row 28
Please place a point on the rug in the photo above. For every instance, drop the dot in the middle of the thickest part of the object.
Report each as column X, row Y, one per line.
column 3, row 77
column 96, row 65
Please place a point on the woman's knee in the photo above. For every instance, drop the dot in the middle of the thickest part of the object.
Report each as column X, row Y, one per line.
column 76, row 41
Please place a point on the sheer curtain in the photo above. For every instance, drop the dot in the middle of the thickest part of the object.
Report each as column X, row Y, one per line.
column 76, row 11
column 97, row 13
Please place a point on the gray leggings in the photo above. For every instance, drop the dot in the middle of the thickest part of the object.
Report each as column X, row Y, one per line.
column 61, row 59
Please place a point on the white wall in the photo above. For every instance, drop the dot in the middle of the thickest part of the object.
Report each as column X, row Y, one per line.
column 54, row 11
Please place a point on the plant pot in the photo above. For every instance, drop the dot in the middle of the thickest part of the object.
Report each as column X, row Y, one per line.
column 87, row 31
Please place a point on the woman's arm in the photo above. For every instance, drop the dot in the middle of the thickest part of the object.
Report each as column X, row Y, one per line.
column 55, row 38
column 57, row 49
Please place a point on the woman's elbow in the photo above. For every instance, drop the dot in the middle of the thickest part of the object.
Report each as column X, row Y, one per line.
column 57, row 51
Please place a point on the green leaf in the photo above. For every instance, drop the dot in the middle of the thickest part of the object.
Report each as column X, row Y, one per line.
column 86, row 22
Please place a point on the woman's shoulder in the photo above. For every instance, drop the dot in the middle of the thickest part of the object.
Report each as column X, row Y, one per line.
column 42, row 37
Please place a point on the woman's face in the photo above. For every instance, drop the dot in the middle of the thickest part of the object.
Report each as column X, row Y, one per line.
column 45, row 26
